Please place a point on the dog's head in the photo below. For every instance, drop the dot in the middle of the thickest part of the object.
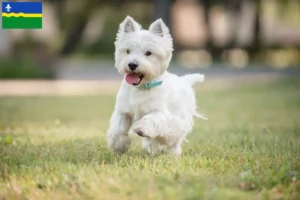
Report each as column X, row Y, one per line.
column 142, row 55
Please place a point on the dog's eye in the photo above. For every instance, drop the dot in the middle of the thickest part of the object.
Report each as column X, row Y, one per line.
column 148, row 53
column 128, row 51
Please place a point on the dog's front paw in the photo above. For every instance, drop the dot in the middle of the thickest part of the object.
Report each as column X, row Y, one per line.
column 142, row 128
column 119, row 143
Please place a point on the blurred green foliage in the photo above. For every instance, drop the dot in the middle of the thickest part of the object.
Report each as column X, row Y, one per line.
column 22, row 69
column 104, row 44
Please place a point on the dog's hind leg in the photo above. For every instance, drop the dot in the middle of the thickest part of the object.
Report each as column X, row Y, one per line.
column 117, row 133
column 151, row 146
column 175, row 148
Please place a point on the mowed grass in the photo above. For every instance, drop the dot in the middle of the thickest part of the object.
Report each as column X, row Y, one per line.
column 55, row 148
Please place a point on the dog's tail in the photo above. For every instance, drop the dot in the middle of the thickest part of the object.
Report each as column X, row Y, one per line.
column 196, row 114
column 191, row 79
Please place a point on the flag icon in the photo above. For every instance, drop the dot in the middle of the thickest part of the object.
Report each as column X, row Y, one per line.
column 22, row 15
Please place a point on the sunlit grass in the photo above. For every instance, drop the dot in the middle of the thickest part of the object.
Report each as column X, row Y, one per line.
column 55, row 148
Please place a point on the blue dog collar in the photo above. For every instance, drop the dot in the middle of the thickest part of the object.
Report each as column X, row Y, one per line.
column 150, row 85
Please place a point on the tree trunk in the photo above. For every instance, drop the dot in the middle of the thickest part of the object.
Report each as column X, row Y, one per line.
column 214, row 50
column 74, row 35
column 162, row 10
column 235, row 11
column 257, row 28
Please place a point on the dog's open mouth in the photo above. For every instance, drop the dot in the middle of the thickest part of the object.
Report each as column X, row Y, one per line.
column 134, row 78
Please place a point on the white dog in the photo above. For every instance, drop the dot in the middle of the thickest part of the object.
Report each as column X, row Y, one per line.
column 155, row 104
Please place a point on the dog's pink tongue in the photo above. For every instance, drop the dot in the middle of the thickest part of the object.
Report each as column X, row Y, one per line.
column 132, row 78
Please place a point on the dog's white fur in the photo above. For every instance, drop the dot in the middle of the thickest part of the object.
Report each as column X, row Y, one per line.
column 162, row 115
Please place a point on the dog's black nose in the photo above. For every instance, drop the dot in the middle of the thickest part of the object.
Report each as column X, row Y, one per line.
column 132, row 66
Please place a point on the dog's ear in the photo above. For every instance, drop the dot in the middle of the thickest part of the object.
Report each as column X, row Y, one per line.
column 158, row 27
column 129, row 25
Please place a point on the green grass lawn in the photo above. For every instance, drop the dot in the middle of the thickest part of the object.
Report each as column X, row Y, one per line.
column 55, row 148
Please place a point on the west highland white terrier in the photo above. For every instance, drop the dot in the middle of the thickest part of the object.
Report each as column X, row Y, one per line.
column 151, row 102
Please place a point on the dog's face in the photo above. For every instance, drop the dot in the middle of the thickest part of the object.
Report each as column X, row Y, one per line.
column 142, row 55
